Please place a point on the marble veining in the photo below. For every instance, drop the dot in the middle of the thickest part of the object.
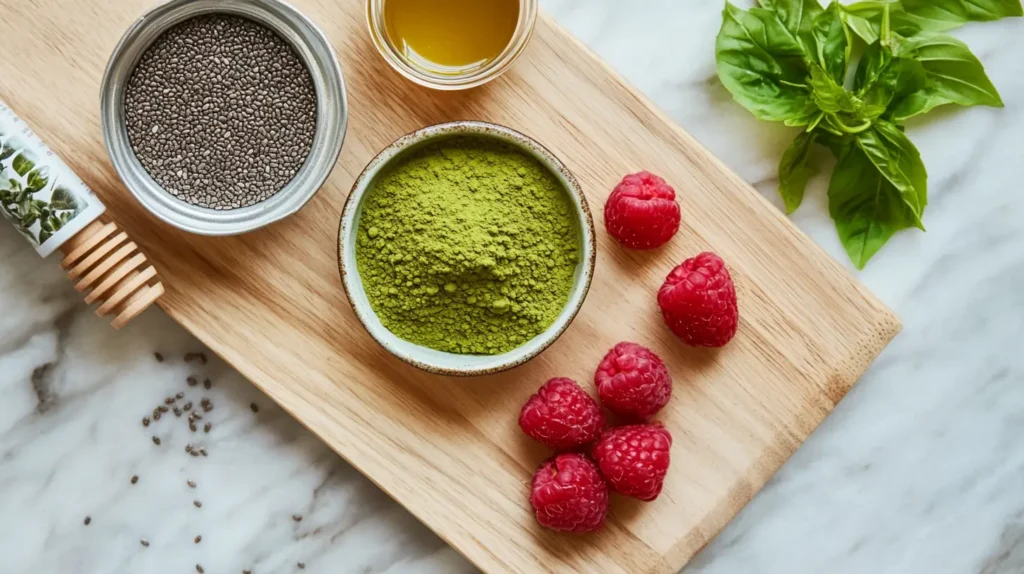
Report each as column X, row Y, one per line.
column 918, row 469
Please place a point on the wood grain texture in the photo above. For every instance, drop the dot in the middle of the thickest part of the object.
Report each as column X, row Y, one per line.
column 272, row 305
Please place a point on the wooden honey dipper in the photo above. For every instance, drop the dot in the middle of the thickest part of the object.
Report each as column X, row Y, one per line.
column 108, row 267
column 54, row 209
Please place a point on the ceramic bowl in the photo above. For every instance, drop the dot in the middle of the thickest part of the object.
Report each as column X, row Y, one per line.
column 439, row 361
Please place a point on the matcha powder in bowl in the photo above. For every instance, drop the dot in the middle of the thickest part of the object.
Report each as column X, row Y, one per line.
column 467, row 245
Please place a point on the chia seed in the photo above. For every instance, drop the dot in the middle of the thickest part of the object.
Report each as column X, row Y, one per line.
column 135, row 479
column 254, row 407
column 207, row 384
column 87, row 520
column 207, row 427
column 156, row 440
column 159, row 358
column 192, row 381
column 213, row 98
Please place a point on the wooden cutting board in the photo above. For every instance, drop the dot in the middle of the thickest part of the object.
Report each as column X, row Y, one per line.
column 449, row 450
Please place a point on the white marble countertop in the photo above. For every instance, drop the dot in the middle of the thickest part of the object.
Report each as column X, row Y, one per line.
column 918, row 470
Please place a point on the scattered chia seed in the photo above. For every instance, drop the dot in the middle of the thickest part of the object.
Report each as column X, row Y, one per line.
column 210, row 99
column 207, row 384
column 156, row 416
column 202, row 451
column 188, row 448
column 255, row 408
column 177, row 411
column 200, row 569
column 197, row 503
column 144, row 542
column 163, row 408
column 192, row 381
column 202, row 356
column 180, row 395
column 207, row 427
column 135, row 479
column 246, row 571
column 199, row 539
column 194, row 453
column 87, row 520
column 192, row 426
column 159, row 358
column 188, row 406
column 156, row 440
column 145, row 421
column 301, row 565
column 190, row 483
column 297, row 517
column 169, row 401
column 189, row 357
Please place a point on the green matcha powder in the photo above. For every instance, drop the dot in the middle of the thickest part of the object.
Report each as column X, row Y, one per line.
column 467, row 246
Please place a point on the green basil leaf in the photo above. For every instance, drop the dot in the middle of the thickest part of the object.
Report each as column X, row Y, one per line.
column 954, row 76
column 832, row 41
column 897, row 159
column 795, row 170
column 881, row 78
column 865, row 206
column 861, row 26
column 44, row 235
column 942, row 15
column 865, row 19
column 14, row 184
column 762, row 65
column 829, row 96
column 6, row 151
column 798, row 17
column 63, row 199
column 22, row 164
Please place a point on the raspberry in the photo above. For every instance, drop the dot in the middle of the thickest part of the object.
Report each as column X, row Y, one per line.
column 634, row 459
column 561, row 415
column 632, row 381
column 698, row 302
column 642, row 212
column 569, row 494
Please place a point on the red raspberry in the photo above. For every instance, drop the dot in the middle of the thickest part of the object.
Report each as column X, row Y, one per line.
column 698, row 301
column 632, row 381
column 569, row 494
column 634, row 459
column 642, row 212
column 561, row 415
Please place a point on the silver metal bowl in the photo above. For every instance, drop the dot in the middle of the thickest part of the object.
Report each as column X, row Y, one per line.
column 332, row 114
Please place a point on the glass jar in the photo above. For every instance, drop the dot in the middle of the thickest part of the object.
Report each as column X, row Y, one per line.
column 447, row 79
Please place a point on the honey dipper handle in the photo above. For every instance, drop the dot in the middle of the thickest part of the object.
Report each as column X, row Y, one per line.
column 108, row 267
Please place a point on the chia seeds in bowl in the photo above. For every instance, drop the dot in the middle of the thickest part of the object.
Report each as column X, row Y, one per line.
column 223, row 116
column 221, row 111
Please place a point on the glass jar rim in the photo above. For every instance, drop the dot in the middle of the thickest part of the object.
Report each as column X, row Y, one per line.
column 478, row 76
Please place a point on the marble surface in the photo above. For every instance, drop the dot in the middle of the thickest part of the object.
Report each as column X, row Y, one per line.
column 918, row 469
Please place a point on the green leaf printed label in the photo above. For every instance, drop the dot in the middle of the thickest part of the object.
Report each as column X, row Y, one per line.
column 44, row 200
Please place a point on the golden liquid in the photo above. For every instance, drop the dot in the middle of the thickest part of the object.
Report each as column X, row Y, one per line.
column 452, row 35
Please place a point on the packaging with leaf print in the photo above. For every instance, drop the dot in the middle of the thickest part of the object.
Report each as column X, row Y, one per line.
column 44, row 200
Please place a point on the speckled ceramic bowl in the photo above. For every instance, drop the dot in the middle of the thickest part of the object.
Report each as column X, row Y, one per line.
column 439, row 361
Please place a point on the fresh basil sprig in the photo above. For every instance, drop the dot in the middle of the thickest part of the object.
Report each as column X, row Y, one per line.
column 788, row 60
